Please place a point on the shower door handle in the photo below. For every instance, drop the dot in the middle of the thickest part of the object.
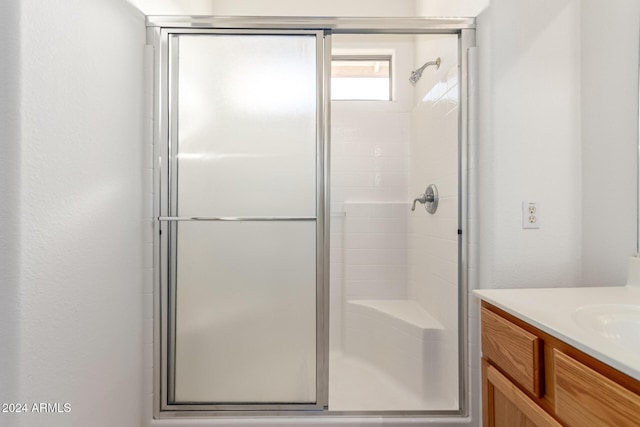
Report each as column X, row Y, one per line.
column 429, row 199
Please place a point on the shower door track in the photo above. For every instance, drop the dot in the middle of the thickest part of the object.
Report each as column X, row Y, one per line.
column 158, row 30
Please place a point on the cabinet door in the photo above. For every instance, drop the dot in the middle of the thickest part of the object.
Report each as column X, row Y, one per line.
column 505, row 405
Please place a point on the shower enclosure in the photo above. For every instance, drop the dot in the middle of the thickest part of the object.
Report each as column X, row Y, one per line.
column 292, row 275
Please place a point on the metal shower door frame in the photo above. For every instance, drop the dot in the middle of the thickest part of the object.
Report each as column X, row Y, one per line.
column 164, row 147
column 158, row 30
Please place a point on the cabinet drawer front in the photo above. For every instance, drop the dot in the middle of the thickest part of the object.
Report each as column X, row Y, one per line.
column 585, row 397
column 514, row 350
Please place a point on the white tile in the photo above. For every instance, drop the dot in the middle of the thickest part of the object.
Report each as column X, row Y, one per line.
column 336, row 271
column 375, row 241
column 356, row 210
column 335, row 255
column 391, row 273
column 391, row 164
column 438, row 249
column 381, row 210
column 337, row 217
column 390, row 179
column 371, row 225
column 336, row 240
column 374, row 256
column 337, row 198
column 352, row 164
column 352, row 179
column 389, row 193
column 375, row 289
column 359, row 194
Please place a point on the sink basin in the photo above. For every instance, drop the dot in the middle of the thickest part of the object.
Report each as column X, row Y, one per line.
column 619, row 323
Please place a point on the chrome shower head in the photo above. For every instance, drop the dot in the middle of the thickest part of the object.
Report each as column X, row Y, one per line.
column 416, row 74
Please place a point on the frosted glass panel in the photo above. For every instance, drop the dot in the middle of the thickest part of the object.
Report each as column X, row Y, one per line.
column 246, row 312
column 247, row 125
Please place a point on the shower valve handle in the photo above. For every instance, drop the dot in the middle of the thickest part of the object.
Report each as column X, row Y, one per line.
column 422, row 199
column 429, row 199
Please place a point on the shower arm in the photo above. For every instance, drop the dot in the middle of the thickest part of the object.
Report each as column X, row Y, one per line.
column 426, row 64
column 416, row 74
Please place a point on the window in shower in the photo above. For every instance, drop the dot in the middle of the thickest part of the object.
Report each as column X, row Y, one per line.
column 361, row 78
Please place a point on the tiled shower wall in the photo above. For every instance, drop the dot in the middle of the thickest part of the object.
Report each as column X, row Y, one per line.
column 381, row 159
column 369, row 166
column 433, row 239
column 375, row 250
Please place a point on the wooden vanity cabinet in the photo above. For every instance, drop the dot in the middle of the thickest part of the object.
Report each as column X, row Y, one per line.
column 531, row 379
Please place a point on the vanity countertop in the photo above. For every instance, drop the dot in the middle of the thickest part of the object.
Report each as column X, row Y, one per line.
column 560, row 312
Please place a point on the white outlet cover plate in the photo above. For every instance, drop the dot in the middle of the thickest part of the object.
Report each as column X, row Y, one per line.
column 530, row 221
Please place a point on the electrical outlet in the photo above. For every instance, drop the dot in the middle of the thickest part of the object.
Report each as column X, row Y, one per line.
column 530, row 215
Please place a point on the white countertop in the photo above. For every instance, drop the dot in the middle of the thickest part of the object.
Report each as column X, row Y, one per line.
column 551, row 310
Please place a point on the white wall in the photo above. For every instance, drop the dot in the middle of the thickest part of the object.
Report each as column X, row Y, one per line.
column 174, row 7
column 73, row 167
column 530, row 143
column 314, row 8
column 559, row 117
column 383, row 8
column 380, row 8
column 438, row 8
column 10, row 190
column 609, row 93
column 528, row 148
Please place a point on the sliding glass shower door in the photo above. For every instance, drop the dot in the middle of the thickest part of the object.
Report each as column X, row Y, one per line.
column 244, row 220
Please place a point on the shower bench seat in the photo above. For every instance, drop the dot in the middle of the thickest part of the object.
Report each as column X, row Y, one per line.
column 398, row 337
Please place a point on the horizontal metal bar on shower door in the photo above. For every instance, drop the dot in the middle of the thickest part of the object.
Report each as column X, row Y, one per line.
column 237, row 218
